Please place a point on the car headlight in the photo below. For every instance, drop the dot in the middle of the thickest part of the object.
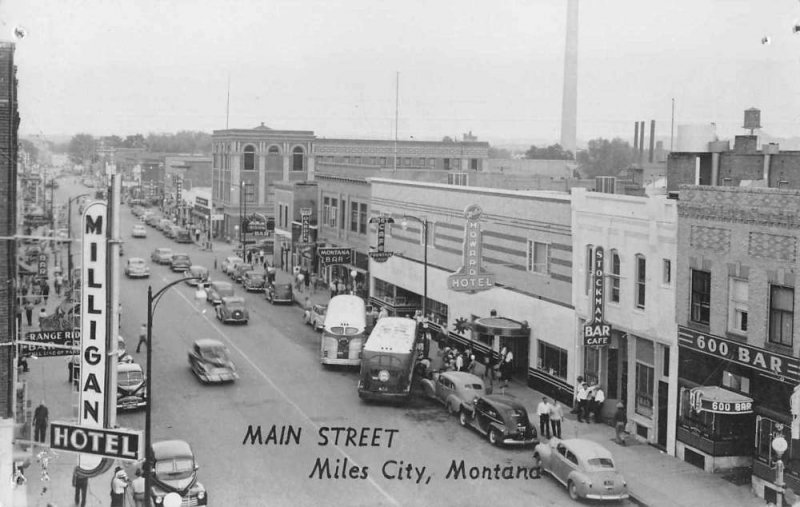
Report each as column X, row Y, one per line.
column 159, row 499
column 383, row 376
column 201, row 494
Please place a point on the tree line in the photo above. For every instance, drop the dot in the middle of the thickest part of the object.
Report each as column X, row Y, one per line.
column 82, row 148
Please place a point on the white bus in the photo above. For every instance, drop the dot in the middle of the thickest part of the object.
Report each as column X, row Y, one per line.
column 389, row 359
column 343, row 333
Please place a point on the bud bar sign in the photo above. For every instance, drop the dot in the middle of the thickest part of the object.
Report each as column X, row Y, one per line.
column 379, row 255
column 51, row 343
column 597, row 332
column 328, row 256
column 108, row 443
column 471, row 277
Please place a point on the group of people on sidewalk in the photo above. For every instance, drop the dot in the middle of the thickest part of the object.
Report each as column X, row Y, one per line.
column 588, row 406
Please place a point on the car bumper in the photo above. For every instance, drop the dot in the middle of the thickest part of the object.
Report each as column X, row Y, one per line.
column 138, row 275
column 179, row 268
column 342, row 361
column 520, row 441
column 215, row 377
column 131, row 403
column 253, row 289
column 607, row 496
column 284, row 300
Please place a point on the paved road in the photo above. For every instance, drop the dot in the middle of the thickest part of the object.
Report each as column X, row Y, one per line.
column 282, row 385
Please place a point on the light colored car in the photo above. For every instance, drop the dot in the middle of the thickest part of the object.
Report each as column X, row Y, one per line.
column 585, row 467
column 139, row 231
column 217, row 290
column 136, row 267
column 131, row 386
column 211, row 361
column 316, row 317
column 454, row 389
column 180, row 262
column 233, row 309
column 161, row 255
column 196, row 274
column 175, row 471
column 229, row 263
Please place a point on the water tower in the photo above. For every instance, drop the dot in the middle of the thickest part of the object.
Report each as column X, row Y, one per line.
column 752, row 119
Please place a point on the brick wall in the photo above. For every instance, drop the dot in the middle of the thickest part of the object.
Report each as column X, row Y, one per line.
column 8, row 197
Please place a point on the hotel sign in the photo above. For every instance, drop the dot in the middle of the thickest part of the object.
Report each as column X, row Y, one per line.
column 786, row 368
column 597, row 332
column 94, row 294
column 109, row 443
column 471, row 277
column 379, row 254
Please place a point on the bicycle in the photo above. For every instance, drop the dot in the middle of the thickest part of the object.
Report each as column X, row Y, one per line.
column 44, row 457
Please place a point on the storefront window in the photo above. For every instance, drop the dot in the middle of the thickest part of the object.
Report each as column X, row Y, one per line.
column 766, row 431
column 645, row 373
column 553, row 360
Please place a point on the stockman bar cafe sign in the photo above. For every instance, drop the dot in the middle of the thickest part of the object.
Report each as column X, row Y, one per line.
column 597, row 332
column 379, row 254
column 471, row 277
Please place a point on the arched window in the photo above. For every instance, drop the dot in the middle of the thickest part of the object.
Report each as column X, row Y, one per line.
column 298, row 159
column 249, row 158
column 613, row 277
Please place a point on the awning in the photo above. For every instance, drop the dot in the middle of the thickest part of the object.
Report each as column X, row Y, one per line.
column 719, row 400
column 501, row 326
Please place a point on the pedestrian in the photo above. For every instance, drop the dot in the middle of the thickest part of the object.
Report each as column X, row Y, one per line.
column 507, row 365
column 556, row 415
column 299, row 282
column 333, row 287
column 306, row 277
column 459, row 362
column 307, row 309
column 543, row 411
column 620, row 421
column 588, row 405
column 215, row 263
column 138, row 488
column 80, row 482
column 42, row 316
column 582, row 397
column 575, row 395
column 58, row 282
column 142, row 338
column 488, row 370
column 383, row 313
column 41, row 418
column 119, row 483
column 249, row 256
column 28, row 306
column 197, row 235
column 18, row 312
column 599, row 399
column 340, row 287
column 45, row 290
column 261, row 257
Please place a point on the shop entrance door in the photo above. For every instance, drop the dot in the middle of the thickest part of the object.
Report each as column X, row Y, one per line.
column 520, row 350
column 663, row 409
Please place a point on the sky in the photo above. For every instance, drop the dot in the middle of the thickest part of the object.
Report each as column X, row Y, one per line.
column 336, row 67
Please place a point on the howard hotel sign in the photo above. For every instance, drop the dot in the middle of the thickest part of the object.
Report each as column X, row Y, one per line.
column 597, row 332
column 471, row 277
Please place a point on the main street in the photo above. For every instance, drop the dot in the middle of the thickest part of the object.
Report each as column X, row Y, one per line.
column 403, row 460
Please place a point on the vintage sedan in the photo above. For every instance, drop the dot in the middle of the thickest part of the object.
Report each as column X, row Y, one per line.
column 279, row 293
column 196, row 275
column 139, row 231
column 238, row 272
column 585, row 467
column 316, row 317
column 175, row 471
column 211, row 361
column 501, row 418
column 230, row 262
column 136, row 267
column 232, row 309
column 161, row 255
column 454, row 389
column 217, row 290
column 180, row 262
column 131, row 387
column 254, row 281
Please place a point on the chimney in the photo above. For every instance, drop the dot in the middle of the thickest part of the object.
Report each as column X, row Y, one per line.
column 635, row 140
column 652, row 138
column 641, row 142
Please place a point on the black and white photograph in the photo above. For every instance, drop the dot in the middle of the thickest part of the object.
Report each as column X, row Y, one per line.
column 267, row 253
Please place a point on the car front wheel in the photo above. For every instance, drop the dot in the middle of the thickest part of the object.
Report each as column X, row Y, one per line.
column 494, row 437
column 573, row 491
column 462, row 418
column 452, row 408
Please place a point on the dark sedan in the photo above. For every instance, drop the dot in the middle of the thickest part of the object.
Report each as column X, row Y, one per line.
column 217, row 290
column 502, row 419
column 211, row 362
column 233, row 309
column 254, row 281
column 279, row 293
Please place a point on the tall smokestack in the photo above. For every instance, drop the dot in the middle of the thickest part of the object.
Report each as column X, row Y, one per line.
column 641, row 142
column 652, row 138
column 635, row 140
column 569, row 103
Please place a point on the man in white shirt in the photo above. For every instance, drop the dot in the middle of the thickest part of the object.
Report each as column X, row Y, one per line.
column 543, row 411
column 582, row 396
column 599, row 398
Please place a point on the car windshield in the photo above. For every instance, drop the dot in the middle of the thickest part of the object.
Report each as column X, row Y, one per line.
column 259, row 277
column 180, row 257
column 136, row 262
column 225, row 291
column 128, row 378
column 216, row 354
column 601, row 463
column 235, row 305
column 177, row 468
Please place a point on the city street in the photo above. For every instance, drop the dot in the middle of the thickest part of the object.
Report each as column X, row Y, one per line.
column 402, row 459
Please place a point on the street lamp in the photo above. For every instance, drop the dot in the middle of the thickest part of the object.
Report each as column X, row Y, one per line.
column 69, row 236
column 779, row 445
column 152, row 303
column 424, row 222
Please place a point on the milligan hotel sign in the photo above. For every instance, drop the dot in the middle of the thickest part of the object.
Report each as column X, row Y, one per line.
column 597, row 332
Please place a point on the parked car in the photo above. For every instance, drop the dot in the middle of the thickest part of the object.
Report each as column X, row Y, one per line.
column 161, row 255
column 502, row 419
column 171, row 231
column 136, row 267
column 196, row 274
column 131, row 386
column 585, row 467
column 279, row 293
column 228, row 263
column 180, row 262
column 175, row 471
column 457, row 390
column 152, row 220
column 139, row 231
column 183, row 236
column 240, row 270
column 316, row 317
column 217, row 290
column 211, row 362
column 233, row 309
column 253, row 281
column 163, row 224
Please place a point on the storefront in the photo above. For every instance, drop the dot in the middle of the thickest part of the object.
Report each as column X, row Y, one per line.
column 491, row 334
column 742, row 434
